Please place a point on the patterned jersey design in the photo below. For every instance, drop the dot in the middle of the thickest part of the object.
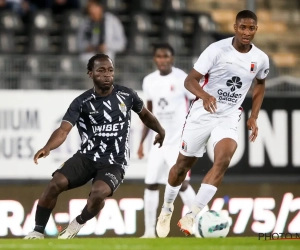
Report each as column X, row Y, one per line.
column 103, row 123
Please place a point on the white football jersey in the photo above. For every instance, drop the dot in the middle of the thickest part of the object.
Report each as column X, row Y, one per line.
column 170, row 100
column 229, row 74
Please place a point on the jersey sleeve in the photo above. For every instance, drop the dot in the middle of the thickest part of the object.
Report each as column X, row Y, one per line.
column 264, row 69
column 73, row 112
column 137, row 102
column 206, row 60
column 146, row 92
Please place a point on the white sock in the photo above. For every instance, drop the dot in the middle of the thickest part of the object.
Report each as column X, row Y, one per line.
column 188, row 196
column 151, row 199
column 170, row 196
column 204, row 195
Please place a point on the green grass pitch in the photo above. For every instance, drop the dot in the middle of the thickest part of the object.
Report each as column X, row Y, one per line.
column 234, row 243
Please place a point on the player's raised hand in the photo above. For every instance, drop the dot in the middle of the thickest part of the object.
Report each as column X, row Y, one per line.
column 159, row 138
column 140, row 151
column 210, row 103
column 251, row 124
column 44, row 152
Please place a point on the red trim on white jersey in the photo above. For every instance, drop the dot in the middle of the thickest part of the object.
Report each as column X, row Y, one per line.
column 187, row 103
column 205, row 80
column 188, row 114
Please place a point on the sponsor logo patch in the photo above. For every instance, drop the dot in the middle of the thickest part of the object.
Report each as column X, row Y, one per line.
column 253, row 67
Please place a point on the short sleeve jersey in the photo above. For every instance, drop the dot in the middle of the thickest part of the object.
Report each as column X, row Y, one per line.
column 170, row 100
column 104, row 123
column 229, row 74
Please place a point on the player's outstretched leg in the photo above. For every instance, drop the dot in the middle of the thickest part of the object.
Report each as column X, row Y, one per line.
column 151, row 200
column 223, row 152
column 177, row 175
column 95, row 202
column 47, row 202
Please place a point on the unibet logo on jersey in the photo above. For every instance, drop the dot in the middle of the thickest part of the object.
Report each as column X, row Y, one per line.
column 103, row 130
column 231, row 97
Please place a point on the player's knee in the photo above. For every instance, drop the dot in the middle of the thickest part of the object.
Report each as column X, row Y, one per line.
column 223, row 162
column 98, row 195
column 181, row 169
column 56, row 186
column 183, row 165
column 102, row 204
column 152, row 186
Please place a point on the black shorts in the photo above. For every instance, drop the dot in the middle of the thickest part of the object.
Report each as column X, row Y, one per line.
column 80, row 169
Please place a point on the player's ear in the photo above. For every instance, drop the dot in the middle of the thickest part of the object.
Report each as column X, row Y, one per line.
column 90, row 74
column 172, row 60
column 235, row 27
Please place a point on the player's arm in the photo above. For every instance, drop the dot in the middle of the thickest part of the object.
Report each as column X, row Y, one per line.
column 145, row 128
column 151, row 122
column 257, row 99
column 144, row 134
column 148, row 118
column 191, row 83
column 59, row 135
column 56, row 139
column 203, row 65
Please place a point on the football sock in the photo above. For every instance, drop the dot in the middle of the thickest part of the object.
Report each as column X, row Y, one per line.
column 170, row 196
column 151, row 200
column 188, row 196
column 84, row 216
column 204, row 195
column 41, row 218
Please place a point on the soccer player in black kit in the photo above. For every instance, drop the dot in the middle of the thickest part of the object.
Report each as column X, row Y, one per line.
column 102, row 115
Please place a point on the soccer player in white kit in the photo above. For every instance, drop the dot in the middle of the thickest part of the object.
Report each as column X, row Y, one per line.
column 168, row 99
column 228, row 67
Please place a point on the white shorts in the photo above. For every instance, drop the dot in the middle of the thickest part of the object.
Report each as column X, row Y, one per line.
column 198, row 130
column 160, row 161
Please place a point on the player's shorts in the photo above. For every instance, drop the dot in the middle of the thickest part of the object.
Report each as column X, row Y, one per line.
column 160, row 161
column 80, row 169
column 198, row 129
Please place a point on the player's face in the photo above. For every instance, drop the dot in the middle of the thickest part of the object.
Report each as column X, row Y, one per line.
column 95, row 12
column 103, row 74
column 245, row 29
column 163, row 60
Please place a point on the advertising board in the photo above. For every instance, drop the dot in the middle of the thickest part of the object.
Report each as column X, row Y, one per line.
column 252, row 209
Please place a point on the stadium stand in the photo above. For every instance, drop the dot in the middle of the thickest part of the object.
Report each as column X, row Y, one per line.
column 188, row 25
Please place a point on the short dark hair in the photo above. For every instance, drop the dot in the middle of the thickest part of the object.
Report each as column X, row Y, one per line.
column 246, row 14
column 167, row 46
column 96, row 2
column 90, row 64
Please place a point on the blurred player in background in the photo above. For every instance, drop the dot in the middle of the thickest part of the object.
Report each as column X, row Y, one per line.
column 100, row 32
column 229, row 67
column 102, row 115
column 168, row 100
